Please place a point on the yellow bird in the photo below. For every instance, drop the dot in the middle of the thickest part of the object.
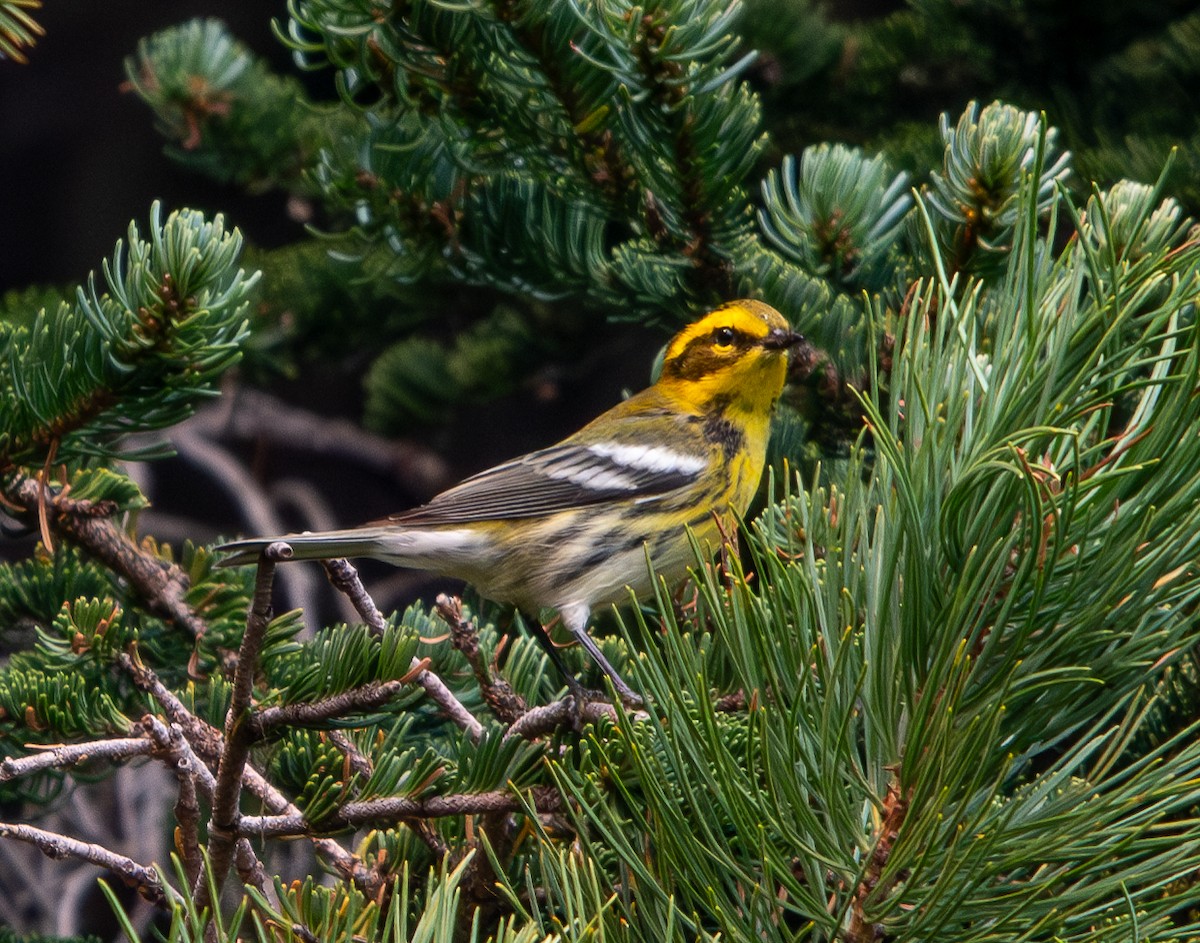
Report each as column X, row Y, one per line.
column 569, row 527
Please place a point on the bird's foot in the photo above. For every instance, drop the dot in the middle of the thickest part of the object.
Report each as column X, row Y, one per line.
column 628, row 697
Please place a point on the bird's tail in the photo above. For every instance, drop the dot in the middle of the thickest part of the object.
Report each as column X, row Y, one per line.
column 326, row 545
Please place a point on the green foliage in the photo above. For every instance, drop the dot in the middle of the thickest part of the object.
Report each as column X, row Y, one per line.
column 307, row 292
column 104, row 485
column 224, row 112
column 542, row 180
column 413, row 913
column 137, row 356
column 403, row 768
column 947, row 689
column 340, row 658
column 1117, row 80
column 34, row 589
column 18, row 29
column 87, row 626
column 569, row 145
column 21, row 305
column 843, row 221
column 315, row 770
column 419, row 380
column 614, row 180
column 219, row 596
column 497, row 761
column 57, row 704
column 986, row 157
column 77, row 380
column 1012, row 551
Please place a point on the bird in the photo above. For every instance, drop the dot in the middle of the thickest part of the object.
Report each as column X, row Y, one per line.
column 570, row 527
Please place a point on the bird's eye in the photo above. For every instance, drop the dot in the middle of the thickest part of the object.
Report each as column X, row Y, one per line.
column 723, row 336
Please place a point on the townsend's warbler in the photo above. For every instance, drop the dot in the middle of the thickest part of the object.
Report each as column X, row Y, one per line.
column 568, row 527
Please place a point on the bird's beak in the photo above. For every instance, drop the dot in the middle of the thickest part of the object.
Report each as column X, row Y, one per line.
column 781, row 340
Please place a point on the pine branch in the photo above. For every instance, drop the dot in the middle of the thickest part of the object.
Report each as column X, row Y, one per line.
column 144, row 879
column 208, row 743
column 837, row 213
column 976, row 194
column 1012, row 534
column 161, row 585
column 860, row 929
column 372, row 695
column 225, row 113
column 195, row 778
column 63, row 756
column 669, row 91
column 345, row 578
column 397, row 809
column 190, row 772
column 359, row 763
column 136, row 357
column 564, row 714
column 499, row 694
column 239, row 731
column 594, row 150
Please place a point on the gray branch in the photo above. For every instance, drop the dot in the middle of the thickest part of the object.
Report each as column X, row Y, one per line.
column 345, row 578
column 53, row 845
column 72, row 754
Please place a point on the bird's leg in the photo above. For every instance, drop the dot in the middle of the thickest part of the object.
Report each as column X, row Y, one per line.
column 627, row 694
column 577, row 690
column 543, row 638
column 575, row 618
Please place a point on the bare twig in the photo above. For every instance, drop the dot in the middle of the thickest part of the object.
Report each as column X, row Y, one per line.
column 171, row 742
column 259, row 417
column 190, row 772
column 359, row 763
column 161, row 585
column 202, row 737
column 288, row 825
column 208, row 743
column 568, row 713
column 379, row 811
column 52, row 845
column 372, row 694
column 238, row 729
column 445, row 699
column 72, row 754
column 345, row 578
column 251, row 871
column 389, row 811
column 895, row 809
column 506, row 703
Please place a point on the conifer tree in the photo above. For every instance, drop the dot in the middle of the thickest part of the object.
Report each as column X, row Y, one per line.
column 944, row 689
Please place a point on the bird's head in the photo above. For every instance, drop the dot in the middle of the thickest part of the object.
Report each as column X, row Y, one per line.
column 734, row 356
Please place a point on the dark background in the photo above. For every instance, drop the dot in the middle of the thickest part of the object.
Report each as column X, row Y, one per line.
column 80, row 158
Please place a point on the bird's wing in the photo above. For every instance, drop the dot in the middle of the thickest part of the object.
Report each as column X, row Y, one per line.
column 572, row 474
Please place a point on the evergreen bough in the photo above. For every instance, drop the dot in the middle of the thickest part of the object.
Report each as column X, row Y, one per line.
column 946, row 690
